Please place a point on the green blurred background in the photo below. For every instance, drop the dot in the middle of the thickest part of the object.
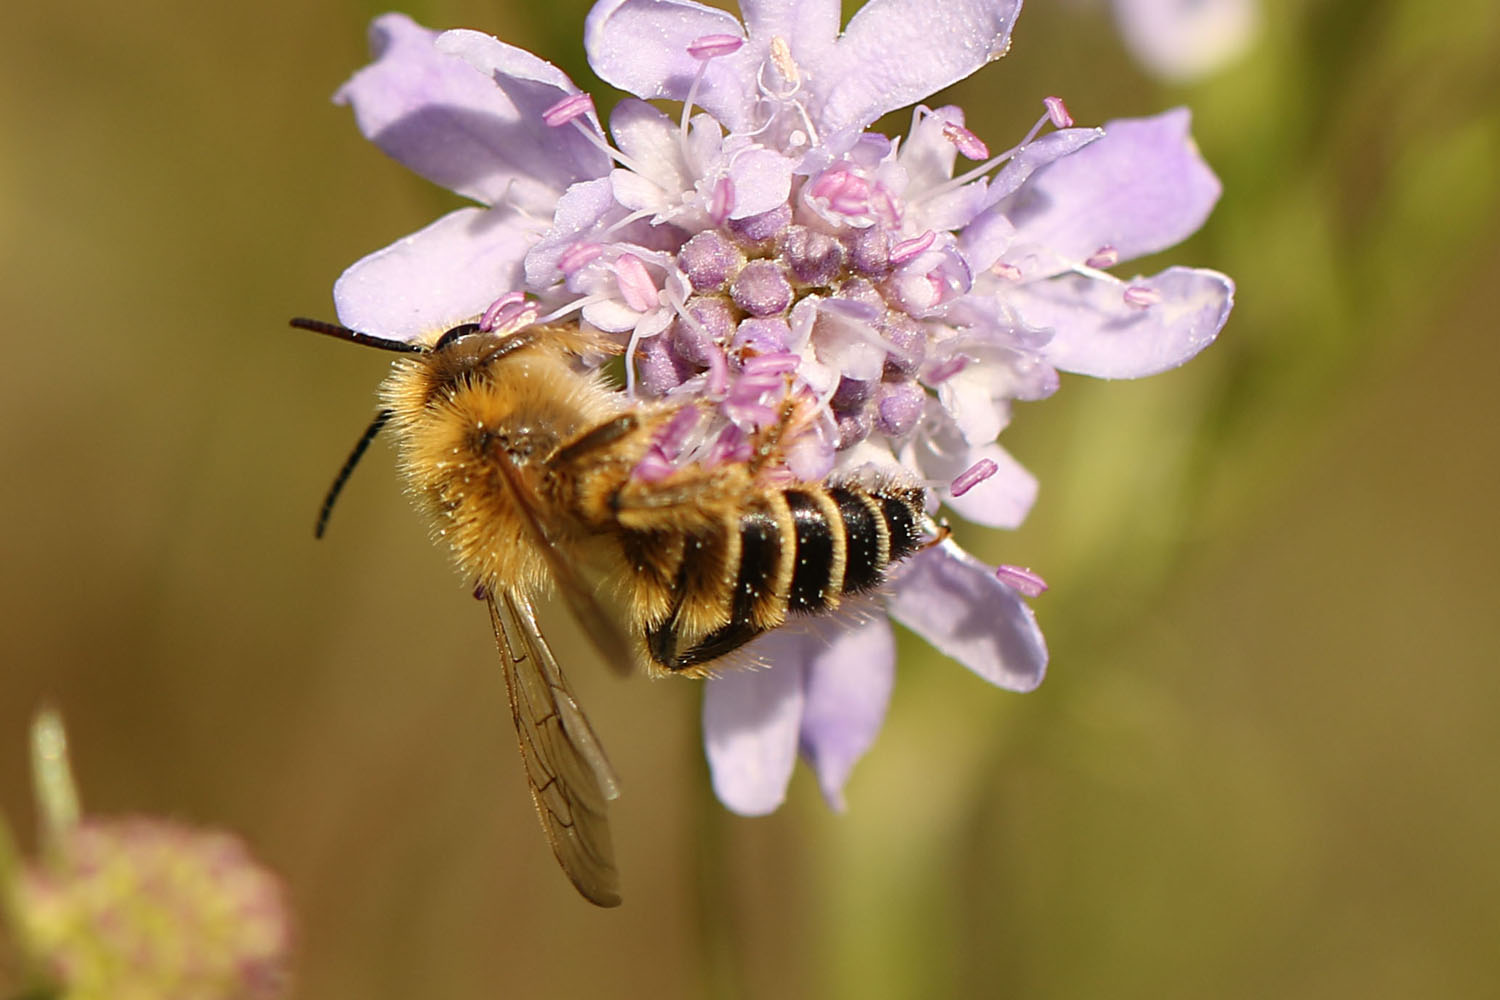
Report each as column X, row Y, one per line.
column 1265, row 762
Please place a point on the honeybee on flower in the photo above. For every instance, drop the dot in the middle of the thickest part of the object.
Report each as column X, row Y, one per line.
column 768, row 265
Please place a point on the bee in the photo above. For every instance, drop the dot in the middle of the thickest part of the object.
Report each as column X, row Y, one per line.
column 527, row 464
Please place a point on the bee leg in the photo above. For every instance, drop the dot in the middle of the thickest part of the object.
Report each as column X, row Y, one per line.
column 767, row 447
column 594, row 439
column 661, row 642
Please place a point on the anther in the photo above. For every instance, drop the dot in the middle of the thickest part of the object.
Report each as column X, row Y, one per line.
column 712, row 46
column 909, row 250
column 1141, row 296
column 781, row 56
column 1021, row 579
column 567, row 109
column 635, row 283
column 1105, row 256
column 967, row 143
column 941, row 373
column 973, row 476
column 722, row 202
column 1058, row 112
column 505, row 310
column 577, row 255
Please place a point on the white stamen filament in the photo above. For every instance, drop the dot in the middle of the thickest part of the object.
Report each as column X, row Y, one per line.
column 984, row 168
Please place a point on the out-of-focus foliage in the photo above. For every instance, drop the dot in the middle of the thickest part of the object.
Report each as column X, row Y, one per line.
column 1263, row 764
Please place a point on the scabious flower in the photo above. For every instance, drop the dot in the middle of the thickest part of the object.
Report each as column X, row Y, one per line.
column 138, row 908
column 766, row 252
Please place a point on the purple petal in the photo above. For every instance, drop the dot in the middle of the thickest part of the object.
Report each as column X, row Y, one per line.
column 438, row 277
column 1097, row 332
column 896, row 52
column 751, row 723
column 1037, row 154
column 955, row 602
column 1143, row 187
column 641, row 46
column 850, row 672
column 1183, row 39
column 433, row 112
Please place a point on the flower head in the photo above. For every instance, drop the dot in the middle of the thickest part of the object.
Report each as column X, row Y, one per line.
column 888, row 298
column 138, row 907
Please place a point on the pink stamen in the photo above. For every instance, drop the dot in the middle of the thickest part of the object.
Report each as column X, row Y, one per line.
column 713, row 46
column 635, row 283
column 968, row 144
column 973, row 476
column 908, row 250
column 1141, row 296
column 1105, row 256
column 853, row 196
column 1058, row 112
column 568, row 109
column 577, row 255
column 722, row 202
column 653, row 467
column 674, row 436
column 1022, row 579
column 1009, row 272
column 770, row 364
column 718, row 373
column 486, row 322
column 509, row 312
column 943, row 372
column 829, row 183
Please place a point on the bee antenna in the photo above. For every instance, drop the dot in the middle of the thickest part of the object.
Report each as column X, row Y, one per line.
column 349, row 463
column 355, row 337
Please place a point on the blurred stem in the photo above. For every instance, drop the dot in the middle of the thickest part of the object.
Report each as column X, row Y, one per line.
column 56, row 794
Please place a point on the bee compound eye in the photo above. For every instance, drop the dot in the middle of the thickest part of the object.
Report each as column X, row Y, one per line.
column 456, row 333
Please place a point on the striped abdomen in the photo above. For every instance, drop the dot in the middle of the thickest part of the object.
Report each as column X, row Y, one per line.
column 793, row 551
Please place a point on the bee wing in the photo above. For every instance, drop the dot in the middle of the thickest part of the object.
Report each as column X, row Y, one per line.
column 609, row 641
column 570, row 778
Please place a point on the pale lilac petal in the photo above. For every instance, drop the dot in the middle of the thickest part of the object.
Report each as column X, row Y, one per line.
column 557, row 157
column 648, row 137
column 985, row 239
column 438, row 277
column 436, row 114
column 751, row 723
column 955, row 602
column 762, row 180
column 1143, row 187
column 1097, row 332
column 813, row 23
column 851, row 669
column 896, row 52
column 641, row 46
column 1184, row 39
column 580, row 211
